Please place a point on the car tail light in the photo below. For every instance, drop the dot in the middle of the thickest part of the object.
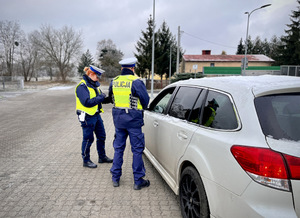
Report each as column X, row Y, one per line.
column 294, row 165
column 266, row 166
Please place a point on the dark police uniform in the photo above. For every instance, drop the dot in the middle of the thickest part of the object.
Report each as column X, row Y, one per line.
column 130, row 97
column 88, row 109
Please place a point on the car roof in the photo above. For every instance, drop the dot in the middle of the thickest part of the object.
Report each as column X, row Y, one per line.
column 258, row 85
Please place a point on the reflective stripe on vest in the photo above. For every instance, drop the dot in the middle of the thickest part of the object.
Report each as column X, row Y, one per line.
column 89, row 110
column 122, row 93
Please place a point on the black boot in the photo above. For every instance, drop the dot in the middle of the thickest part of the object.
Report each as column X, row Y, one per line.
column 144, row 184
column 105, row 160
column 89, row 164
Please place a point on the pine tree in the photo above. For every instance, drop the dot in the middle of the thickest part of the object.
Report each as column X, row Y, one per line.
column 240, row 48
column 85, row 61
column 144, row 50
column 257, row 46
column 266, row 48
column 275, row 52
column 291, row 42
column 166, row 42
column 249, row 45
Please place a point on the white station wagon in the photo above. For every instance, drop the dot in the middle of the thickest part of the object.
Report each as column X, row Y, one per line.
column 229, row 146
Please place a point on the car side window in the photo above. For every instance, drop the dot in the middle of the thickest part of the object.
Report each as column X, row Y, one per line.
column 183, row 102
column 196, row 112
column 160, row 103
column 218, row 112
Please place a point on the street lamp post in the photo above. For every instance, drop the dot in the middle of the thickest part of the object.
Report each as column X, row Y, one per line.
column 246, row 42
column 170, row 67
column 152, row 67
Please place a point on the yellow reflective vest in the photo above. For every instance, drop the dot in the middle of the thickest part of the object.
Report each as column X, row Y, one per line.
column 121, row 87
column 211, row 118
column 89, row 110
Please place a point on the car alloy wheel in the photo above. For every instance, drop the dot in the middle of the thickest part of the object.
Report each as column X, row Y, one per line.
column 193, row 200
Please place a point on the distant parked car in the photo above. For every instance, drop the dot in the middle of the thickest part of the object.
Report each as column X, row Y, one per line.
column 229, row 146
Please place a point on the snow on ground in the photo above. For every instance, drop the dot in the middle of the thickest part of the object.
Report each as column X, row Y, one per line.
column 60, row 87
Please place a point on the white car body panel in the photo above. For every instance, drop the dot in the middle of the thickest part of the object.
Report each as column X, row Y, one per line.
column 169, row 180
column 285, row 146
column 177, row 140
column 296, row 191
column 171, row 142
column 252, row 203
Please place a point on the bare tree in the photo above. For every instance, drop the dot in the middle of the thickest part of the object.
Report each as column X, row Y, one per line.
column 29, row 58
column 61, row 46
column 10, row 33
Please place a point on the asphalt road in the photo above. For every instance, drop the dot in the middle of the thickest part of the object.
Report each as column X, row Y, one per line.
column 41, row 173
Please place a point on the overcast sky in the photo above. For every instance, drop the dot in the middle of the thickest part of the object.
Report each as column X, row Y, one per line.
column 216, row 25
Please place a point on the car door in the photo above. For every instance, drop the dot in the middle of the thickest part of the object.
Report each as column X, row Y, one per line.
column 218, row 131
column 174, row 132
column 153, row 116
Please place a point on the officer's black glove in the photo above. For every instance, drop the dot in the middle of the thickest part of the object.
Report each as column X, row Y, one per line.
column 100, row 98
column 107, row 100
column 103, row 94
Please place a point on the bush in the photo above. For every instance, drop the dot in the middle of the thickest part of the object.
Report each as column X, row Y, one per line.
column 184, row 76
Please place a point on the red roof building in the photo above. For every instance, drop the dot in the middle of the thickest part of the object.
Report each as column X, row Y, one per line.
column 195, row 63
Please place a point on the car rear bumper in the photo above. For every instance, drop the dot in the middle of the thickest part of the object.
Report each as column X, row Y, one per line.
column 256, row 201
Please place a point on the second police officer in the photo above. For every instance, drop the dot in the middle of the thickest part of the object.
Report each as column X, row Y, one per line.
column 130, row 98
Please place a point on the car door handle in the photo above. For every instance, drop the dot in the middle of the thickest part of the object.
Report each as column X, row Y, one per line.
column 182, row 135
column 155, row 124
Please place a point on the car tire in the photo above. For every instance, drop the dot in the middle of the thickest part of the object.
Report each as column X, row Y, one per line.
column 193, row 200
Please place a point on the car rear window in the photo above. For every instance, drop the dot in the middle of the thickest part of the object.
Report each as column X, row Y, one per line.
column 279, row 115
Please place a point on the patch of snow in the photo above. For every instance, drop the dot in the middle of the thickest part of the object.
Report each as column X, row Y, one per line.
column 61, row 87
column 285, row 146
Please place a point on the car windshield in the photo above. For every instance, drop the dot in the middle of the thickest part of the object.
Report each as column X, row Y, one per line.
column 279, row 115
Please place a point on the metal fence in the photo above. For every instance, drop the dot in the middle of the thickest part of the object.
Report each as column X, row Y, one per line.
column 290, row 70
column 157, row 84
column 8, row 83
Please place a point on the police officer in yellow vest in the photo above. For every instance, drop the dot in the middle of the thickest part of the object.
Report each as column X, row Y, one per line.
column 130, row 97
column 88, row 108
column 209, row 113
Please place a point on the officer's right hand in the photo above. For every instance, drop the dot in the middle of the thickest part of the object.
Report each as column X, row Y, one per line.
column 101, row 97
column 103, row 94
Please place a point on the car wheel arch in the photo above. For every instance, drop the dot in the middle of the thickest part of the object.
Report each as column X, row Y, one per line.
column 201, row 167
column 190, row 177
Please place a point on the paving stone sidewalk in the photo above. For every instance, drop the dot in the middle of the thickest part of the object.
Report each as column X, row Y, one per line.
column 41, row 173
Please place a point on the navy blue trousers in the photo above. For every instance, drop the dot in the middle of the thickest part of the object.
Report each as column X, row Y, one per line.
column 137, row 142
column 93, row 124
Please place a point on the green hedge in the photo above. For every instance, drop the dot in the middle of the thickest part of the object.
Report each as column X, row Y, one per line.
column 185, row 76
column 234, row 70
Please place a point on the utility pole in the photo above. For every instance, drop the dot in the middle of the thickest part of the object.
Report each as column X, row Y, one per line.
column 153, row 44
column 170, row 67
column 178, row 45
